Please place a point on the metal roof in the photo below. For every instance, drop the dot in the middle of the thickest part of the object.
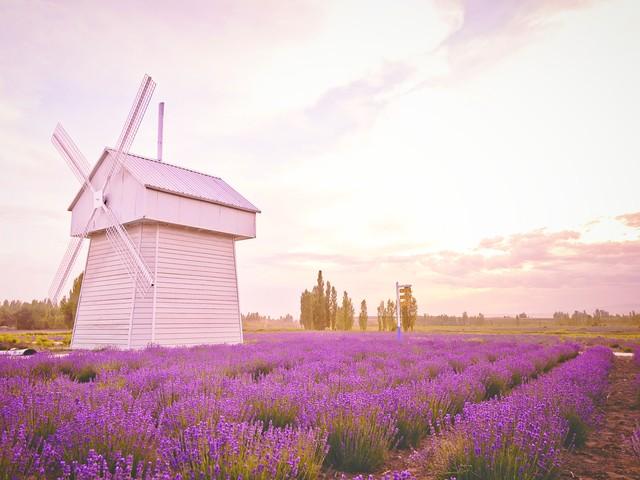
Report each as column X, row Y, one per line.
column 165, row 177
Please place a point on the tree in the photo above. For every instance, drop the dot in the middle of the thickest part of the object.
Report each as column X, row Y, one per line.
column 363, row 317
column 69, row 306
column 319, row 309
column 306, row 310
column 327, row 305
column 562, row 318
column 24, row 318
column 346, row 313
column 408, row 315
column 333, row 307
column 381, row 313
column 390, row 316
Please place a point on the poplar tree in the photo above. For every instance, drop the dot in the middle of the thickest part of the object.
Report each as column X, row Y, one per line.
column 327, row 305
column 319, row 316
column 390, row 316
column 381, row 316
column 363, row 317
column 306, row 310
column 348, row 312
column 334, row 308
column 408, row 314
column 340, row 322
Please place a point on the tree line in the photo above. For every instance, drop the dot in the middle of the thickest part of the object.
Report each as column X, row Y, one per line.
column 387, row 320
column 42, row 314
column 320, row 310
column 598, row 318
column 578, row 318
column 258, row 318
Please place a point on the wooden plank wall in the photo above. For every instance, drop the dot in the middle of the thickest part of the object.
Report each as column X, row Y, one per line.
column 144, row 237
column 197, row 290
column 196, row 297
column 104, row 308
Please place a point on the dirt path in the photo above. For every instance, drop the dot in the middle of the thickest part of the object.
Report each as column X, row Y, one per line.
column 607, row 454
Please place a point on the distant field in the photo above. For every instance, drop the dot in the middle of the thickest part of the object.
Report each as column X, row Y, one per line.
column 616, row 332
column 37, row 339
column 616, row 336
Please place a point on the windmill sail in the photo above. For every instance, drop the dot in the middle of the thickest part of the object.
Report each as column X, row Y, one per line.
column 71, row 154
column 116, row 234
column 131, row 125
column 64, row 270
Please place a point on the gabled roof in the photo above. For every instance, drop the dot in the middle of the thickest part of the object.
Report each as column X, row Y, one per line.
column 165, row 177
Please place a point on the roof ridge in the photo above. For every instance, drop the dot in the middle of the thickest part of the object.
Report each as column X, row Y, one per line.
column 164, row 163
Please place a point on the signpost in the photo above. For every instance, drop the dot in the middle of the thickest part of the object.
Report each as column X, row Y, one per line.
column 403, row 294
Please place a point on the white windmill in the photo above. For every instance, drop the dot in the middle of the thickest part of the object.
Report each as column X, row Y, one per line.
column 161, row 266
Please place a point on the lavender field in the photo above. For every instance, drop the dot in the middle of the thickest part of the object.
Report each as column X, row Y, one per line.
column 302, row 406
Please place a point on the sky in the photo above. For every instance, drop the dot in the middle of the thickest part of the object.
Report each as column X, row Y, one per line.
column 484, row 151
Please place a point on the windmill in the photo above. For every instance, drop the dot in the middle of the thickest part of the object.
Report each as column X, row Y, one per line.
column 161, row 267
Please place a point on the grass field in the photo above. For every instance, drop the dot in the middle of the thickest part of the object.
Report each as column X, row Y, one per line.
column 621, row 337
column 36, row 339
column 628, row 333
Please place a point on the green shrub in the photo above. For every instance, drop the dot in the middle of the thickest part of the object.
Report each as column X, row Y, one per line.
column 578, row 431
column 43, row 371
column 359, row 442
column 83, row 374
column 495, row 386
column 276, row 412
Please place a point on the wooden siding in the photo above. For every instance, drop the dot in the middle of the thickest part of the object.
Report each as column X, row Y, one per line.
column 144, row 237
column 197, row 290
column 125, row 196
column 104, row 307
column 134, row 202
column 195, row 299
column 175, row 209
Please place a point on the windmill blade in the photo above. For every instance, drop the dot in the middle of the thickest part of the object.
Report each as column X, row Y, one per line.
column 64, row 270
column 136, row 113
column 121, row 249
column 69, row 258
column 124, row 247
column 132, row 124
column 71, row 154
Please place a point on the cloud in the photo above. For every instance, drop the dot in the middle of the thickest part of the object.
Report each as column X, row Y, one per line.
column 630, row 219
column 338, row 113
column 490, row 18
column 489, row 30
column 538, row 259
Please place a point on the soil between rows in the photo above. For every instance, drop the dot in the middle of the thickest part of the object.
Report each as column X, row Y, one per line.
column 608, row 454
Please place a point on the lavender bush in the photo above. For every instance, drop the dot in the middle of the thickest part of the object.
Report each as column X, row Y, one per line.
column 636, row 360
column 635, row 436
column 635, row 441
column 521, row 435
column 278, row 408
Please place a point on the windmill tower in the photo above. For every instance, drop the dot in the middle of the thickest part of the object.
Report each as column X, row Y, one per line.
column 161, row 267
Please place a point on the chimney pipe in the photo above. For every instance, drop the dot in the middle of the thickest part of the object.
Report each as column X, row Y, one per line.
column 160, row 125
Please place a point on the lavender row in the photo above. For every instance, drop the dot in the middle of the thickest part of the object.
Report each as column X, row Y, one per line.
column 635, row 436
column 281, row 408
column 522, row 435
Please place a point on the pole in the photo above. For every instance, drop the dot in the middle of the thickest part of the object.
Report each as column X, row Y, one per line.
column 398, row 310
column 160, row 129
